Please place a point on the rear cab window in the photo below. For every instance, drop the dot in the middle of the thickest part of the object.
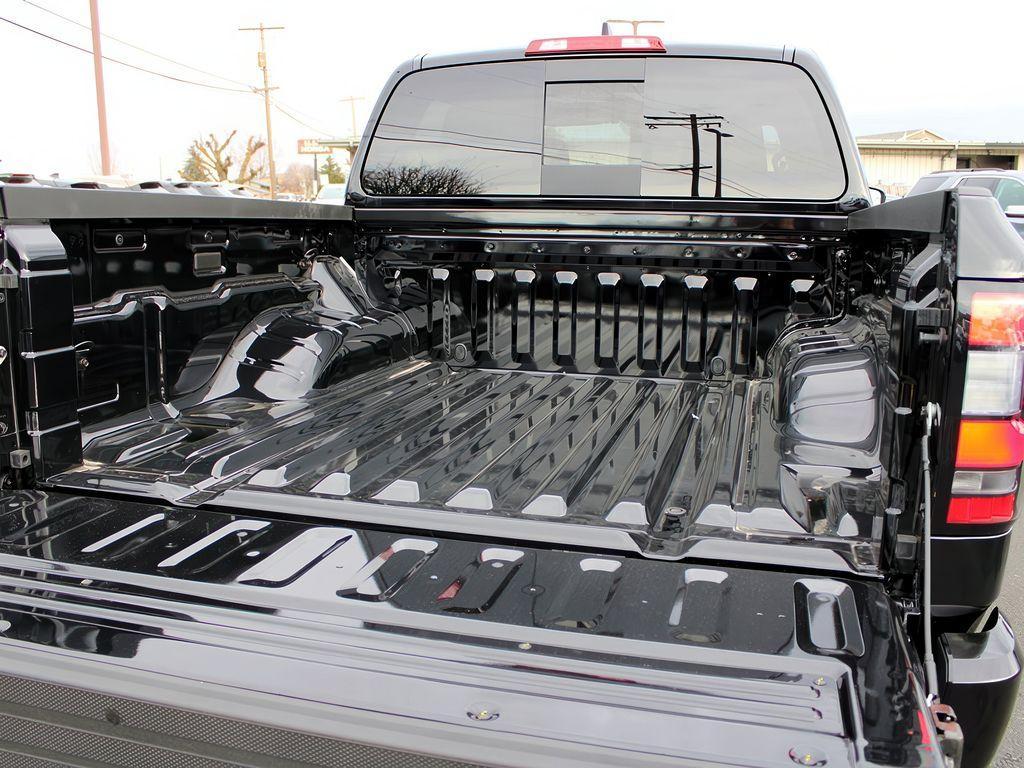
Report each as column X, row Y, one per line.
column 670, row 127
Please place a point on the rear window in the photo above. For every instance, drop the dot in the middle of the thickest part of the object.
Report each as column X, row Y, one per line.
column 666, row 127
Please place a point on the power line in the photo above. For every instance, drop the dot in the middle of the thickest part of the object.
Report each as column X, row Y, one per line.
column 132, row 45
column 276, row 105
column 125, row 63
column 280, row 106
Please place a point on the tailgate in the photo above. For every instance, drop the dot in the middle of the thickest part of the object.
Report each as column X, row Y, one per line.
column 190, row 637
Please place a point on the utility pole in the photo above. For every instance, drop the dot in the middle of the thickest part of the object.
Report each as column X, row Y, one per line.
column 261, row 62
column 352, row 103
column 606, row 30
column 101, row 96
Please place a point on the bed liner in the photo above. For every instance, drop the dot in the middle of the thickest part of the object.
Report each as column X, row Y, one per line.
column 664, row 467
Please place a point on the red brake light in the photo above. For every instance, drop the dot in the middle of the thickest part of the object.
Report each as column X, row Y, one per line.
column 601, row 43
column 997, row 320
column 981, row 509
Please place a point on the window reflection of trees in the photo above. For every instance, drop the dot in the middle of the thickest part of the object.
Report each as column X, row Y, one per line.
column 421, row 180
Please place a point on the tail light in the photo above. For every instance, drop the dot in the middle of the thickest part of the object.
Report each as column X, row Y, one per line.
column 990, row 448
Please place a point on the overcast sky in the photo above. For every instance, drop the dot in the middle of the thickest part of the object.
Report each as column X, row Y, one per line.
column 896, row 65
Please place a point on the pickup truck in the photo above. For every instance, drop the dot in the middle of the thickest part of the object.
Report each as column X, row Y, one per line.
column 606, row 424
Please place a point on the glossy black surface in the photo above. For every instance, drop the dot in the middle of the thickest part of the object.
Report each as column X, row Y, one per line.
column 982, row 671
column 683, row 659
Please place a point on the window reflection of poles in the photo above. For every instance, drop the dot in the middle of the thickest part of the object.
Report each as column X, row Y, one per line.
column 696, row 123
column 719, row 135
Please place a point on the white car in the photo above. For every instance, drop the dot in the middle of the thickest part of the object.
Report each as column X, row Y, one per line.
column 331, row 194
column 1007, row 187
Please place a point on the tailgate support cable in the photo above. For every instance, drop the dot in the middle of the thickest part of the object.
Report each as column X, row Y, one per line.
column 932, row 417
column 947, row 729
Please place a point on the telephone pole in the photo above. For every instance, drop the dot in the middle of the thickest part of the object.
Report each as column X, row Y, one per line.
column 635, row 23
column 101, row 96
column 352, row 103
column 261, row 62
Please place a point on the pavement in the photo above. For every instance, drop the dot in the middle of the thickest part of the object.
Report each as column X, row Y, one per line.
column 1011, row 603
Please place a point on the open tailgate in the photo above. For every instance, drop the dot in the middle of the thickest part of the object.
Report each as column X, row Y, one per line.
column 165, row 633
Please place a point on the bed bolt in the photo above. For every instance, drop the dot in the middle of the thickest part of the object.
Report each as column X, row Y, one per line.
column 83, row 363
column 536, row 247
column 792, row 255
column 637, row 251
column 482, row 712
column 587, row 249
column 802, row 756
column 689, row 253
column 489, row 247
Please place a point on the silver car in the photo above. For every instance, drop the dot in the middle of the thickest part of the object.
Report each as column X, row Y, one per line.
column 1006, row 186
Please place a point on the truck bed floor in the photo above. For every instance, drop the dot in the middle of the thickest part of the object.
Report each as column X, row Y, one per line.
column 647, row 465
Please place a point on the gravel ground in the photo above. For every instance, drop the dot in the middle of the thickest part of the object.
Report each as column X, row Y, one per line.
column 1011, row 603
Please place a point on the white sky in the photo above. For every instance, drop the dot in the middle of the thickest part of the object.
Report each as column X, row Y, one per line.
column 896, row 65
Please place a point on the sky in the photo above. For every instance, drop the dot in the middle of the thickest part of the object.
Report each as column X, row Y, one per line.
column 896, row 65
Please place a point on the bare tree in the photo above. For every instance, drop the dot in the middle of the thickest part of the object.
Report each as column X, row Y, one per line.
column 420, row 180
column 298, row 179
column 211, row 159
column 251, row 166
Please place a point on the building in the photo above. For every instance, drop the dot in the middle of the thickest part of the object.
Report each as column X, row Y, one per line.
column 894, row 161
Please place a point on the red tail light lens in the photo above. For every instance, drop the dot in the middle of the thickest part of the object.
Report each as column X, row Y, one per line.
column 981, row 509
column 997, row 320
column 990, row 450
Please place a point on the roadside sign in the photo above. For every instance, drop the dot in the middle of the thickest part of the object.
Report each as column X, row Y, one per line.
column 313, row 147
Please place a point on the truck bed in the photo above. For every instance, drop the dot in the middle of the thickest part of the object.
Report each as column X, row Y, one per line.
column 663, row 467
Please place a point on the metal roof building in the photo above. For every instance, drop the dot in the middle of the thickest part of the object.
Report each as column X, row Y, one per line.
column 895, row 160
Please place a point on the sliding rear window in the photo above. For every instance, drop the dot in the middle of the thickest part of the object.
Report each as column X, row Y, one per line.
column 626, row 127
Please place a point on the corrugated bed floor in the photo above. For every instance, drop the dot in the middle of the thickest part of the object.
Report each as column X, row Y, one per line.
column 598, row 450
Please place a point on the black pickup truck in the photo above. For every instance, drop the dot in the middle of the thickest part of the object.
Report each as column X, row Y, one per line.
column 607, row 424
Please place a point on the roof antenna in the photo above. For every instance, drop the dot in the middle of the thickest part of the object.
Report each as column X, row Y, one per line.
column 606, row 29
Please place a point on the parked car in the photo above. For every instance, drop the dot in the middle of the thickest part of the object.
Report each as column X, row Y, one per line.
column 331, row 194
column 1006, row 186
column 607, row 423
